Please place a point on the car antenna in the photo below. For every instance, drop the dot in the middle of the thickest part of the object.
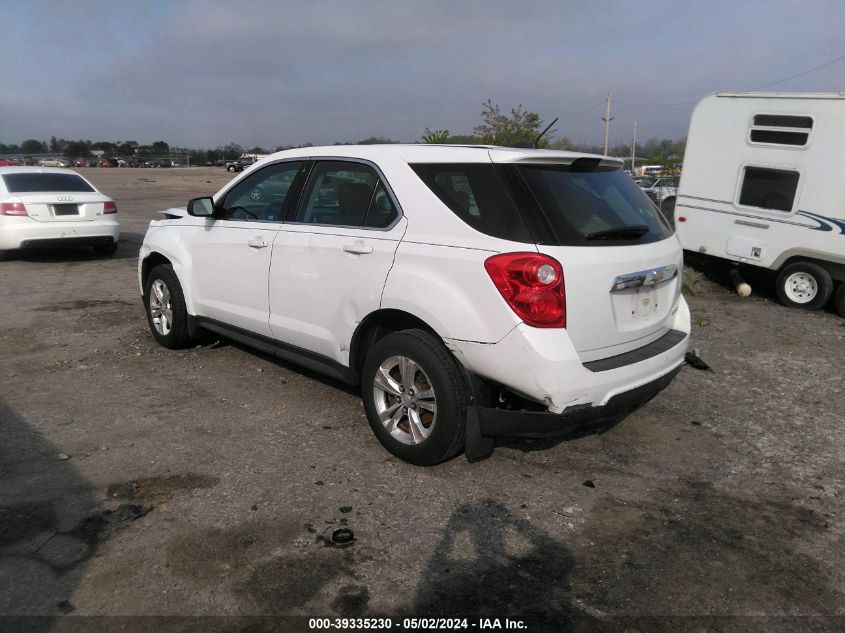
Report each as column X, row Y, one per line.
column 540, row 135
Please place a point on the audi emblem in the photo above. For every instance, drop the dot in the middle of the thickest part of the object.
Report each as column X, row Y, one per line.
column 65, row 198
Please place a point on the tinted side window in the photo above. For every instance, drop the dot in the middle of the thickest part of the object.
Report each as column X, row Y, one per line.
column 262, row 196
column 26, row 183
column 346, row 194
column 769, row 188
column 478, row 196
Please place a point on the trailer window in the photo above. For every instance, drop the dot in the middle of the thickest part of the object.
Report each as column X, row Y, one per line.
column 781, row 129
column 783, row 120
column 769, row 188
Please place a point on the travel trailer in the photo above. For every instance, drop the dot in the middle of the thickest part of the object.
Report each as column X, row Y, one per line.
column 763, row 185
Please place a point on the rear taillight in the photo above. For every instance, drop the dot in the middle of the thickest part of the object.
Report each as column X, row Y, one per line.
column 532, row 285
column 109, row 207
column 12, row 208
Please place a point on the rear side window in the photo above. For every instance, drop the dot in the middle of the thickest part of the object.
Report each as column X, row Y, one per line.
column 477, row 195
column 769, row 188
column 587, row 204
column 346, row 194
column 38, row 183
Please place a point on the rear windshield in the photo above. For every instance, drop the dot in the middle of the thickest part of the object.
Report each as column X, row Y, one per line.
column 477, row 194
column 31, row 183
column 587, row 204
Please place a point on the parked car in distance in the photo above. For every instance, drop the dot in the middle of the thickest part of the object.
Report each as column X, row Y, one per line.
column 471, row 292
column 242, row 162
column 54, row 162
column 663, row 192
column 43, row 206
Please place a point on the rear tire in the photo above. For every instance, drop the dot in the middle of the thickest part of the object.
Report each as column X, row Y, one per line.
column 164, row 304
column 415, row 397
column 804, row 285
column 839, row 299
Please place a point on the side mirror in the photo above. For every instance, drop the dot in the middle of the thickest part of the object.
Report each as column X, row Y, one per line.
column 201, row 207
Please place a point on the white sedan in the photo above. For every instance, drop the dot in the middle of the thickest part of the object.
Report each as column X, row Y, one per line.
column 43, row 206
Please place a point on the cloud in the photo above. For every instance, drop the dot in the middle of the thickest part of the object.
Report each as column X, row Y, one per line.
column 205, row 73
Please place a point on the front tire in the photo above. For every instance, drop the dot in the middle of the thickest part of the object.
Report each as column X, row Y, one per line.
column 164, row 303
column 804, row 285
column 415, row 397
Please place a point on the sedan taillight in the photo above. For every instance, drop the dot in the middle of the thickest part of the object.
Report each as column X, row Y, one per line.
column 532, row 285
column 109, row 207
column 12, row 208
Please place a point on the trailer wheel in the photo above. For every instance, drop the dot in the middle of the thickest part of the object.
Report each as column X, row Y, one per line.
column 804, row 285
column 839, row 299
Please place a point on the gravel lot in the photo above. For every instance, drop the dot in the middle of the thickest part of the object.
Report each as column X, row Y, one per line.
column 135, row 480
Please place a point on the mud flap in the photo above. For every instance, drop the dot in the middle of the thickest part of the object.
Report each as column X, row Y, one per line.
column 477, row 446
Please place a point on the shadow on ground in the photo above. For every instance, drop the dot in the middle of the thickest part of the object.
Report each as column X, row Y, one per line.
column 51, row 523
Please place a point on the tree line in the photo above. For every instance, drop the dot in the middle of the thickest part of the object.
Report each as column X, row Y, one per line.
column 517, row 128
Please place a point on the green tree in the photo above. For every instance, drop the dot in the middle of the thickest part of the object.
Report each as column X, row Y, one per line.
column 232, row 150
column 77, row 149
column 106, row 146
column 376, row 140
column 436, row 137
column 31, row 146
column 160, row 147
column 562, row 144
column 464, row 139
column 521, row 127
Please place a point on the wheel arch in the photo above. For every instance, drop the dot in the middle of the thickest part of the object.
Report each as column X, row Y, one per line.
column 376, row 326
column 149, row 262
column 835, row 269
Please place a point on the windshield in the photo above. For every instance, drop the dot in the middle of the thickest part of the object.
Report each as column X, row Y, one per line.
column 586, row 204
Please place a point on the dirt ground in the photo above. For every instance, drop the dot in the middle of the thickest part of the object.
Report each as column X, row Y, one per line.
column 140, row 481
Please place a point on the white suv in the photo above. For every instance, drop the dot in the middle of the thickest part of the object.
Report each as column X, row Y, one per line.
column 472, row 292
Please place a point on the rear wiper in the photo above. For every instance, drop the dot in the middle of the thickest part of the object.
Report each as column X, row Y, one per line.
column 620, row 233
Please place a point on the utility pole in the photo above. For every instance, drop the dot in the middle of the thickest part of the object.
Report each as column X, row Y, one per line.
column 607, row 119
column 634, row 151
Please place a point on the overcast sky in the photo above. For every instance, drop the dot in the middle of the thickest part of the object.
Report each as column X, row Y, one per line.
column 202, row 73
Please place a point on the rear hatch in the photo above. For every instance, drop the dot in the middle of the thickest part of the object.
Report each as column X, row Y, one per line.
column 621, row 262
column 54, row 196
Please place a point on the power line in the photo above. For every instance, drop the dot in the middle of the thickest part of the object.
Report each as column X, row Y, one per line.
column 806, row 72
column 774, row 83
column 590, row 109
column 656, row 105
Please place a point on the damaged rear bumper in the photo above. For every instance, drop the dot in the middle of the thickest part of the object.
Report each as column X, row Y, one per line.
column 484, row 423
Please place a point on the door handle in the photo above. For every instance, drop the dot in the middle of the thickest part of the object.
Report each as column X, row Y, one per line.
column 358, row 248
column 256, row 242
